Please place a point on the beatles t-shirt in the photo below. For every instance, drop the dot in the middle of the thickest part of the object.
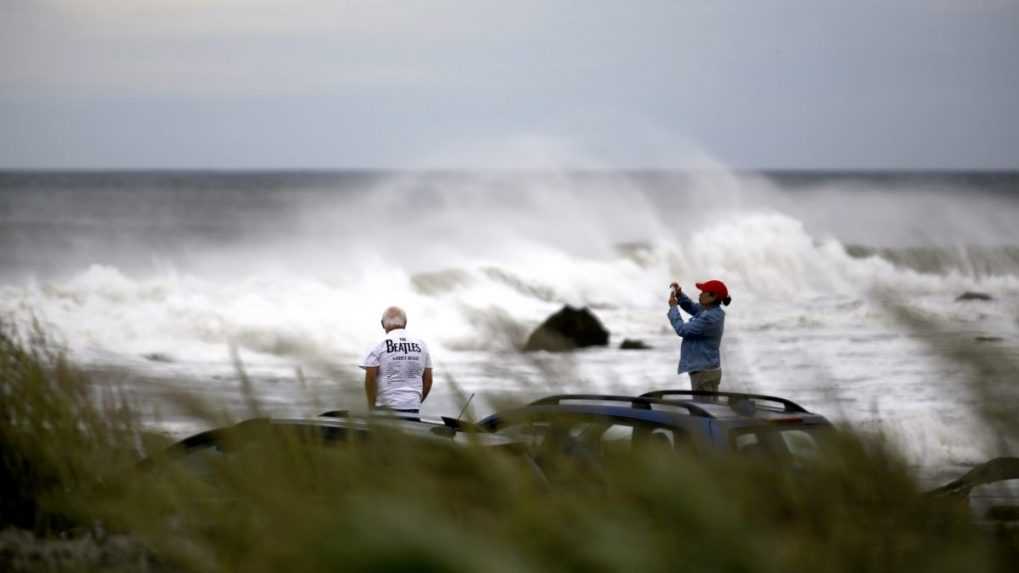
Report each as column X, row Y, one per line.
column 401, row 360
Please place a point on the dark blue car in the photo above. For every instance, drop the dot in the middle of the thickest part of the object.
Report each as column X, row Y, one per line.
column 597, row 425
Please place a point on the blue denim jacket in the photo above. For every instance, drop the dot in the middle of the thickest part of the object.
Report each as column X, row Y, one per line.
column 702, row 335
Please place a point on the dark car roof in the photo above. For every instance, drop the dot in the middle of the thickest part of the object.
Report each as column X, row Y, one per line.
column 743, row 407
column 442, row 427
column 668, row 407
column 334, row 424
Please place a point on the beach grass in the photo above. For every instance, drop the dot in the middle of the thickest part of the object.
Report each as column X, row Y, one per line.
column 394, row 503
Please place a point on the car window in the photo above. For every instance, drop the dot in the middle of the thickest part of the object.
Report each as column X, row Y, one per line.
column 592, row 434
column 530, row 433
column 617, row 439
column 585, row 430
column 661, row 437
column 747, row 441
column 618, row 433
column 754, row 444
column 620, row 437
column 799, row 443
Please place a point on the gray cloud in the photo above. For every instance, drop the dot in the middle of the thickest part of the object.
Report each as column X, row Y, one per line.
column 385, row 83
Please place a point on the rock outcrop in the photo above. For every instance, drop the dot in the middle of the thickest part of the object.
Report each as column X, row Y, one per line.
column 631, row 344
column 972, row 295
column 568, row 329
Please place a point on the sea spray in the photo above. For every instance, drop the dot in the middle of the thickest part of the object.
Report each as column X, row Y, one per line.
column 295, row 271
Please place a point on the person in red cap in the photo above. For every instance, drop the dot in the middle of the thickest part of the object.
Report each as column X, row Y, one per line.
column 702, row 334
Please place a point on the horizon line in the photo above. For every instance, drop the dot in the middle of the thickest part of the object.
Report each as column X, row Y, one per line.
column 508, row 170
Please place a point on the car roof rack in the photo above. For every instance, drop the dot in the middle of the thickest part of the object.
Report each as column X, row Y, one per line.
column 787, row 405
column 638, row 402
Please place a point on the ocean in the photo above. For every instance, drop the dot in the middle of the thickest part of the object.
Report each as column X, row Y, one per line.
column 844, row 285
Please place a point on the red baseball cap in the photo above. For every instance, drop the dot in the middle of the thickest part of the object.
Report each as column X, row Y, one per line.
column 716, row 288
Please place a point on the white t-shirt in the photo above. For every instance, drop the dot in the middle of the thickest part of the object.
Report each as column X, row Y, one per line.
column 402, row 360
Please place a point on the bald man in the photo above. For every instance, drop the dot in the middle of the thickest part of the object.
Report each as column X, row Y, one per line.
column 398, row 370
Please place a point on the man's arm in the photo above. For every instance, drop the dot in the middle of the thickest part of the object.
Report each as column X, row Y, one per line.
column 426, row 383
column 371, row 385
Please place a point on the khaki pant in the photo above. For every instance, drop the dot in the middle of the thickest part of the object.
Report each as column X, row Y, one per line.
column 706, row 380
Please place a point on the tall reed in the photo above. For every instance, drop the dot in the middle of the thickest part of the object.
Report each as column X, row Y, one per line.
column 395, row 503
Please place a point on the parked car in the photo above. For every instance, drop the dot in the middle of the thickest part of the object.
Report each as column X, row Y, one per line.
column 595, row 425
column 991, row 491
column 198, row 452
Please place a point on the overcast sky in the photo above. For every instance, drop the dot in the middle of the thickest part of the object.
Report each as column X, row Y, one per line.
column 910, row 84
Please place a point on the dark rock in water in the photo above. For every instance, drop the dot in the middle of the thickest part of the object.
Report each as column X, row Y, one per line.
column 989, row 339
column 631, row 344
column 568, row 329
column 972, row 295
column 157, row 357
